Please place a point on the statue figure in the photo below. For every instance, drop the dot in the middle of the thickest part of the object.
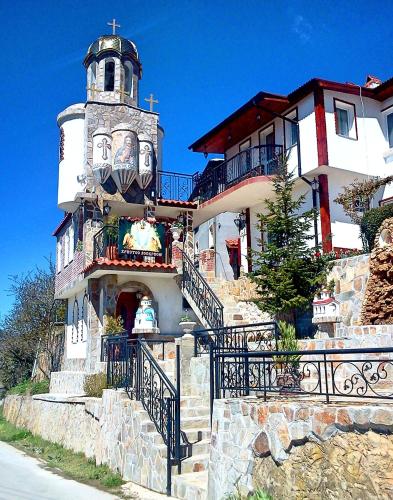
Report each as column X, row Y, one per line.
column 145, row 318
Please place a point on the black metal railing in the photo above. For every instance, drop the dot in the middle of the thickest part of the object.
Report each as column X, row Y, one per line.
column 106, row 242
column 243, row 338
column 259, row 160
column 131, row 365
column 175, row 186
column 344, row 373
column 120, row 354
column 200, row 292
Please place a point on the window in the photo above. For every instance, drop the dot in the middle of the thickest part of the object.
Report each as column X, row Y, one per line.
column 93, row 73
column 291, row 130
column 245, row 145
column 128, row 78
column 69, row 245
column 109, row 76
column 389, row 119
column 345, row 116
column 66, row 248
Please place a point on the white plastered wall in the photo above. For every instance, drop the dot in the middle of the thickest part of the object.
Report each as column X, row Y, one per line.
column 72, row 165
column 77, row 329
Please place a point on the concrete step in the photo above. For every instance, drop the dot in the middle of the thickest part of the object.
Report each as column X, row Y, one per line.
column 196, row 463
column 192, row 401
column 190, row 486
column 198, row 411
column 198, row 449
column 192, row 435
column 195, row 422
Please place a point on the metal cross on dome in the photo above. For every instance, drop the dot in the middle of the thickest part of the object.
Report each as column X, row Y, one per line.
column 114, row 26
column 152, row 101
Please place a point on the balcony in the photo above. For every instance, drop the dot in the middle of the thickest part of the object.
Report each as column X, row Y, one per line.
column 252, row 162
column 175, row 186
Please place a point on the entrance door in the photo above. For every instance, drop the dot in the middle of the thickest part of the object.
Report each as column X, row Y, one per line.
column 127, row 305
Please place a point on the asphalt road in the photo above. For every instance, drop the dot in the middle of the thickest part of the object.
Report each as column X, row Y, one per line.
column 25, row 478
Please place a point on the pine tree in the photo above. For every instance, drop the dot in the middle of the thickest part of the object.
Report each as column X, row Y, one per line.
column 287, row 271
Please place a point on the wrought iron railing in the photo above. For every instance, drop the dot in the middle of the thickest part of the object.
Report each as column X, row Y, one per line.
column 106, row 242
column 175, row 186
column 259, row 160
column 131, row 365
column 243, row 338
column 334, row 373
column 203, row 296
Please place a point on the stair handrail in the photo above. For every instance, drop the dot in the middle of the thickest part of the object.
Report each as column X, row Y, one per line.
column 161, row 399
column 205, row 299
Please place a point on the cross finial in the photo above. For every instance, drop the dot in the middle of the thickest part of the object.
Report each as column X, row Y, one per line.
column 151, row 101
column 114, row 26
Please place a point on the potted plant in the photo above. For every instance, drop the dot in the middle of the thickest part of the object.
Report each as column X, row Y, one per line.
column 176, row 229
column 111, row 237
column 187, row 324
column 286, row 366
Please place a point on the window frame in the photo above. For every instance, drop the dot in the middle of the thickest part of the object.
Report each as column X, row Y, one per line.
column 248, row 142
column 107, row 62
column 289, row 125
column 387, row 129
column 351, row 108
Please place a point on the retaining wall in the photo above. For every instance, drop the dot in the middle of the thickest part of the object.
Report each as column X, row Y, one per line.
column 301, row 449
column 114, row 430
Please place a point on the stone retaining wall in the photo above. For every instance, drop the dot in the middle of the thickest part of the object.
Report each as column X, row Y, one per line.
column 114, row 430
column 286, row 447
column 350, row 277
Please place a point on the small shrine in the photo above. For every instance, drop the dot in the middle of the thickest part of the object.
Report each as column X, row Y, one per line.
column 326, row 313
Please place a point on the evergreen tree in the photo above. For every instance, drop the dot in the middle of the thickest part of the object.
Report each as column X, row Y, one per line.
column 288, row 271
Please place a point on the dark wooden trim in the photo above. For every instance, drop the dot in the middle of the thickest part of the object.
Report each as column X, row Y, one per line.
column 335, row 100
column 241, row 144
column 320, row 125
column 271, row 124
column 284, row 123
column 248, row 237
column 326, row 227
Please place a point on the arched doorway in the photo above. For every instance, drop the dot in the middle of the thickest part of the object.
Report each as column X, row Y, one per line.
column 126, row 307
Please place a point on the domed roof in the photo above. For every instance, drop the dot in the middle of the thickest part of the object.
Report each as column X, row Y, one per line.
column 112, row 43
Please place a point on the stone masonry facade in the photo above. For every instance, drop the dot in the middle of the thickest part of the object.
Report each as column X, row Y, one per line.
column 285, row 447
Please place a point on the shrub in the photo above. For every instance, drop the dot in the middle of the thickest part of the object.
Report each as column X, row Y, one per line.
column 371, row 223
column 113, row 325
column 29, row 388
column 95, row 384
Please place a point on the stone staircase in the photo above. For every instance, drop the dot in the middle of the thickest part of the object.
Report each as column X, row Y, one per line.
column 191, row 484
column 236, row 296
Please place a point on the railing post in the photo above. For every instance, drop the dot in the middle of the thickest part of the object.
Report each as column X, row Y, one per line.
column 169, row 446
column 211, row 368
column 177, row 409
column 326, row 379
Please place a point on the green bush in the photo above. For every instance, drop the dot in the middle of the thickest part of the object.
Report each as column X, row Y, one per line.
column 371, row 222
column 29, row 388
column 95, row 384
column 257, row 495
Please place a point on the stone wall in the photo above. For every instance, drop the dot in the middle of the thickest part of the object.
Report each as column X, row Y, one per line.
column 114, row 430
column 378, row 300
column 290, row 448
column 350, row 279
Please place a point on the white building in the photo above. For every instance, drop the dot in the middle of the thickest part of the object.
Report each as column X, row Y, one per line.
column 345, row 133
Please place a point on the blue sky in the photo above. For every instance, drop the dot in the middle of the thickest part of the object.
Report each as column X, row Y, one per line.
column 201, row 59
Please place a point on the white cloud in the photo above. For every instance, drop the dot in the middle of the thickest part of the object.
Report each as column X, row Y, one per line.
column 302, row 28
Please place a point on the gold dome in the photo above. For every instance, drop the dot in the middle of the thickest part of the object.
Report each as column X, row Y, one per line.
column 112, row 43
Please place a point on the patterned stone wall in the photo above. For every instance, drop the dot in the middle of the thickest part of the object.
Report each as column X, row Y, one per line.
column 287, row 447
column 114, row 430
column 378, row 300
column 350, row 279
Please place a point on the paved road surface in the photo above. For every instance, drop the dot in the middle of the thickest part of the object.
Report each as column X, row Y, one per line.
column 24, row 478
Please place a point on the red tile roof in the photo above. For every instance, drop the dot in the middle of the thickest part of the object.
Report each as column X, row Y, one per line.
column 104, row 262
column 232, row 243
column 177, row 203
